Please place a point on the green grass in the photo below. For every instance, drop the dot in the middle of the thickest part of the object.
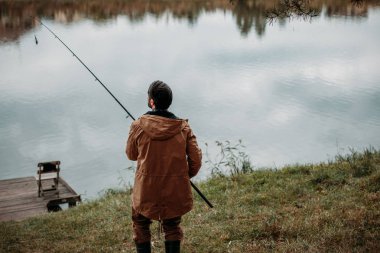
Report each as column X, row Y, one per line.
column 326, row 207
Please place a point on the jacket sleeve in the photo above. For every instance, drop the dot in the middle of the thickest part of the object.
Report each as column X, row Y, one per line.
column 194, row 154
column 132, row 148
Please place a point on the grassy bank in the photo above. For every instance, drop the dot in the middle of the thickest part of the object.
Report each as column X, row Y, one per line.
column 327, row 207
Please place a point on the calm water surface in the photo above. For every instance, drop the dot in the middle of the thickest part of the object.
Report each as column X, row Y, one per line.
column 295, row 91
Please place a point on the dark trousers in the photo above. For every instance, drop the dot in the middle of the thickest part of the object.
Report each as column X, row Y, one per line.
column 141, row 228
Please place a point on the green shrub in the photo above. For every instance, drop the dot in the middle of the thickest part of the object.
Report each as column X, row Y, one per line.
column 361, row 163
column 231, row 159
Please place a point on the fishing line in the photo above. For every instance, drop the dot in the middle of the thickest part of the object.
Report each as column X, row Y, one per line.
column 109, row 92
column 89, row 70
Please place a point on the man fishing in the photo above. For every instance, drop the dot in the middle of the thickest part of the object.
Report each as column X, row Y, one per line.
column 167, row 157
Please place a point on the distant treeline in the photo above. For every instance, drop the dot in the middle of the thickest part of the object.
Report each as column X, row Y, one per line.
column 16, row 16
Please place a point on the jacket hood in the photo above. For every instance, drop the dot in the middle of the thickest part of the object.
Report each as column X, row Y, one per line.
column 161, row 128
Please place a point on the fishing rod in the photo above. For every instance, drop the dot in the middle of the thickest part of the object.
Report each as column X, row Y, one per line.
column 109, row 92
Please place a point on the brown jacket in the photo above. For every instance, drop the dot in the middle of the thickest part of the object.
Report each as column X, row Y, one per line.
column 167, row 157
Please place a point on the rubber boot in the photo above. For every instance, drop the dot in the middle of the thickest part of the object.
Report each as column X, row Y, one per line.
column 143, row 247
column 172, row 246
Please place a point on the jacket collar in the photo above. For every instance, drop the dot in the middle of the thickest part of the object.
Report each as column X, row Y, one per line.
column 162, row 113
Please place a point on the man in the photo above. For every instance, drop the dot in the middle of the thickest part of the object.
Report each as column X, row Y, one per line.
column 167, row 157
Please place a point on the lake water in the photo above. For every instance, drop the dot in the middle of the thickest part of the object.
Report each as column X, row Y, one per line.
column 297, row 89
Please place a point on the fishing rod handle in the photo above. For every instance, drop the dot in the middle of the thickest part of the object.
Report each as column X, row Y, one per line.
column 201, row 194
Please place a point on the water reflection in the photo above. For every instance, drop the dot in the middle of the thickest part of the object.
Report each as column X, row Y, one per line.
column 16, row 16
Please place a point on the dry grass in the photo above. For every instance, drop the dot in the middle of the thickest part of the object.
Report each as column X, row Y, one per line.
column 327, row 207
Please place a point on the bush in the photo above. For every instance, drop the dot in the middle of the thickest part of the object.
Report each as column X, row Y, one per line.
column 361, row 163
column 231, row 159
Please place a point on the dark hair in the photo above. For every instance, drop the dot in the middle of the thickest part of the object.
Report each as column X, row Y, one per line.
column 161, row 94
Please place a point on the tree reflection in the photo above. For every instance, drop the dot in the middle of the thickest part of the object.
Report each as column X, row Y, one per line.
column 16, row 17
column 291, row 8
column 249, row 14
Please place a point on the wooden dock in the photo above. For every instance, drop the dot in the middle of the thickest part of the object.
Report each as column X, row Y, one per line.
column 19, row 198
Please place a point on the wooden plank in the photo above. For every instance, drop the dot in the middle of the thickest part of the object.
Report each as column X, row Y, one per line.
column 16, row 201
column 18, row 187
column 47, row 176
column 18, row 194
column 20, row 191
column 16, row 180
column 18, row 216
column 25, row 198
column 22, row 207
